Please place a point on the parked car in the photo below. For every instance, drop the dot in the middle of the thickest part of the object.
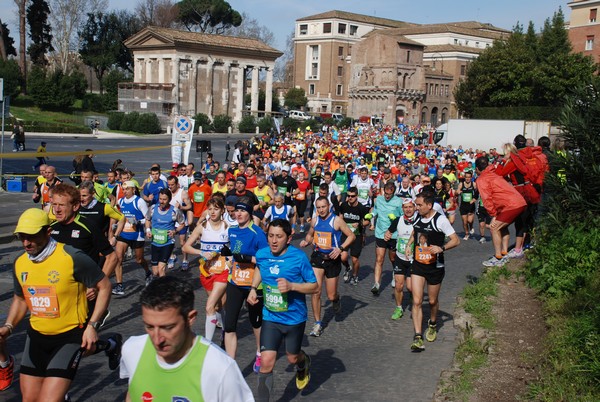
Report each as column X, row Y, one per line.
column 298, row 115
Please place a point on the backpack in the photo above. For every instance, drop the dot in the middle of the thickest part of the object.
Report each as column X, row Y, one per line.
column 532, row 164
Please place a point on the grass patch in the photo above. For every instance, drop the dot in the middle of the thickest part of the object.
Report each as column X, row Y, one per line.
column 471, row 356
column 478, row 297
column 34, row 114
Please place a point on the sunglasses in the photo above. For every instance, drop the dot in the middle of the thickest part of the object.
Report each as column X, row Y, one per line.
column 351, row 196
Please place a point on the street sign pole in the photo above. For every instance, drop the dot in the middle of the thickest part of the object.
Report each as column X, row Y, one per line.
column 2, row 142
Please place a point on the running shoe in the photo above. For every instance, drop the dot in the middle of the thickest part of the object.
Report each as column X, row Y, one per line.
column 128, row 254
column 515, row 254
column 118, row 289
column 301, row 228
column 431, row 333
column 185, row 265
column 375, row 289
column 354, row 280
column 398, row 312
column 171, row 262
column 337, row 305
column 114, row 353
column 256, row 366
column 347, row 275
column 303, row 376
column 104, row 318
column 495, row 262
column 393, row 281
column 482, row 240
column 7, row 374
column 417, row 345
column 466, row 237
column 149, row 277
column 472, row 231
column 317, row 330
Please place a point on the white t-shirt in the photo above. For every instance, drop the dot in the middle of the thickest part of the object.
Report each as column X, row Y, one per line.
column 222, row 379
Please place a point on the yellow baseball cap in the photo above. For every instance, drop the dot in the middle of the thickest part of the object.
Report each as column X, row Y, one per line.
column 32, row 221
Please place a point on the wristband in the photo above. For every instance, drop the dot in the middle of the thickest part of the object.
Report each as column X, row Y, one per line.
column 254, row 288
column 443, row 248
column 10, row 327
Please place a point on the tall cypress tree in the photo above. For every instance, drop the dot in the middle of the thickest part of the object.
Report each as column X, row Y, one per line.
column 40, row 32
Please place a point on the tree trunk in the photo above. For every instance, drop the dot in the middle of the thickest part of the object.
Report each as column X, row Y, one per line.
column 22, row 5
column 2, row 46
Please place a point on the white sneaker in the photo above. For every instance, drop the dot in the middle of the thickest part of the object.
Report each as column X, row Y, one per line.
column 515, row 254
column 472, row 231
column 494, row 262
column 482, row 240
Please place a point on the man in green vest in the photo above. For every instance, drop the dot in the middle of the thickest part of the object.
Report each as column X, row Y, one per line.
column 171, row 362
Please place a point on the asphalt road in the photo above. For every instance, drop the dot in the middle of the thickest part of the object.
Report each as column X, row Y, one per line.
column 362, row 354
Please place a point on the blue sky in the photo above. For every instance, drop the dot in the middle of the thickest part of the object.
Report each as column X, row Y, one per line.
column 280, row 15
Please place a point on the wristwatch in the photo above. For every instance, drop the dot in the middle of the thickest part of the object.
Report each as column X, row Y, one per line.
column 344, row 248
column 94, row 324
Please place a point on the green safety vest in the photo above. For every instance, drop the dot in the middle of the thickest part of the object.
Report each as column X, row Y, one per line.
column 153, row 381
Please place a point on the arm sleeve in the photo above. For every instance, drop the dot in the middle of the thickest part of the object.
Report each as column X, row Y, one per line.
column 112, row 212
column 394, row 225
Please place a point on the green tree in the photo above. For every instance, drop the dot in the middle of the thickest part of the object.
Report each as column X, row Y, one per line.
column 295, row 98
column 40, row 31
column 209, row 16
column 55, row 90
column 126, row 24
column 7, row 44
column 100, row 44
column 524, row 70
column 11, row 73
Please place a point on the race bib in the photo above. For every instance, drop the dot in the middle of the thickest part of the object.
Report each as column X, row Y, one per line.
column 424, row 255
column 242, row 273
column 363, row 193
column 401, row 245
column 217, row 265
column 300, row 196
column 282, row 190
column 275, row 300
column 130, row 225
column 198, row 196
column 322, row 240
column 467, row 197
column 160, row 236
column 261, row 198
column 342, row 188
column 42, row 301
column 355, row 230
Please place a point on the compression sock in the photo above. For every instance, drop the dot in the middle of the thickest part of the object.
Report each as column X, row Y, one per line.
column 265, row 385
column 219, row 318
column 210, row 326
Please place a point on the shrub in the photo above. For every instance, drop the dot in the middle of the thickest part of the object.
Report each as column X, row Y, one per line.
column 148, row 123
column 345, row 123
column 291, row 124
column 204, row 121
column 312, row 123
column 129, row 121
column 115, row 119
column 266, row 124
column 221, row 123
column 247, row 124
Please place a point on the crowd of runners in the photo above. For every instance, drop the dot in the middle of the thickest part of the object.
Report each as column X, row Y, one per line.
column 233, row 223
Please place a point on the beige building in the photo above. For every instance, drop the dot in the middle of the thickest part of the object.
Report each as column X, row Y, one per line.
column 584, row 27
column 422, row 65
column 322, row 47
column 185, row 73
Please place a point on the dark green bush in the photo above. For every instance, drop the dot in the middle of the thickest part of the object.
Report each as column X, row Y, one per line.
column 221, row 123
column 345, row 123
column 291, row 124
column 266, row 124
column 148, row 123
column 312, row 123
column 247, row 124
column 114, row 120
column 204, row 121
column 129, row 121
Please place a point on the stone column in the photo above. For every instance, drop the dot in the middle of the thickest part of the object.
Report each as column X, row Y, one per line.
column 227, row 94
column 210, row 67
column 161, row 71
column 139, row 70
column 269, row 90
column 239, row 95
column 148, row 71
column 194, row 87
column 176, row 67
column 254, row 91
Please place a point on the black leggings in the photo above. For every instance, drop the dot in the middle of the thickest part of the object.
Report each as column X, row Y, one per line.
column 235, row 298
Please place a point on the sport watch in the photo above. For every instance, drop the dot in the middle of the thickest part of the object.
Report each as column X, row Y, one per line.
column 94, row 324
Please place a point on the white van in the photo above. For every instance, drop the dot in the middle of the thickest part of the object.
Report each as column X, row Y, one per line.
column 337, row 116
column 298, row 115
